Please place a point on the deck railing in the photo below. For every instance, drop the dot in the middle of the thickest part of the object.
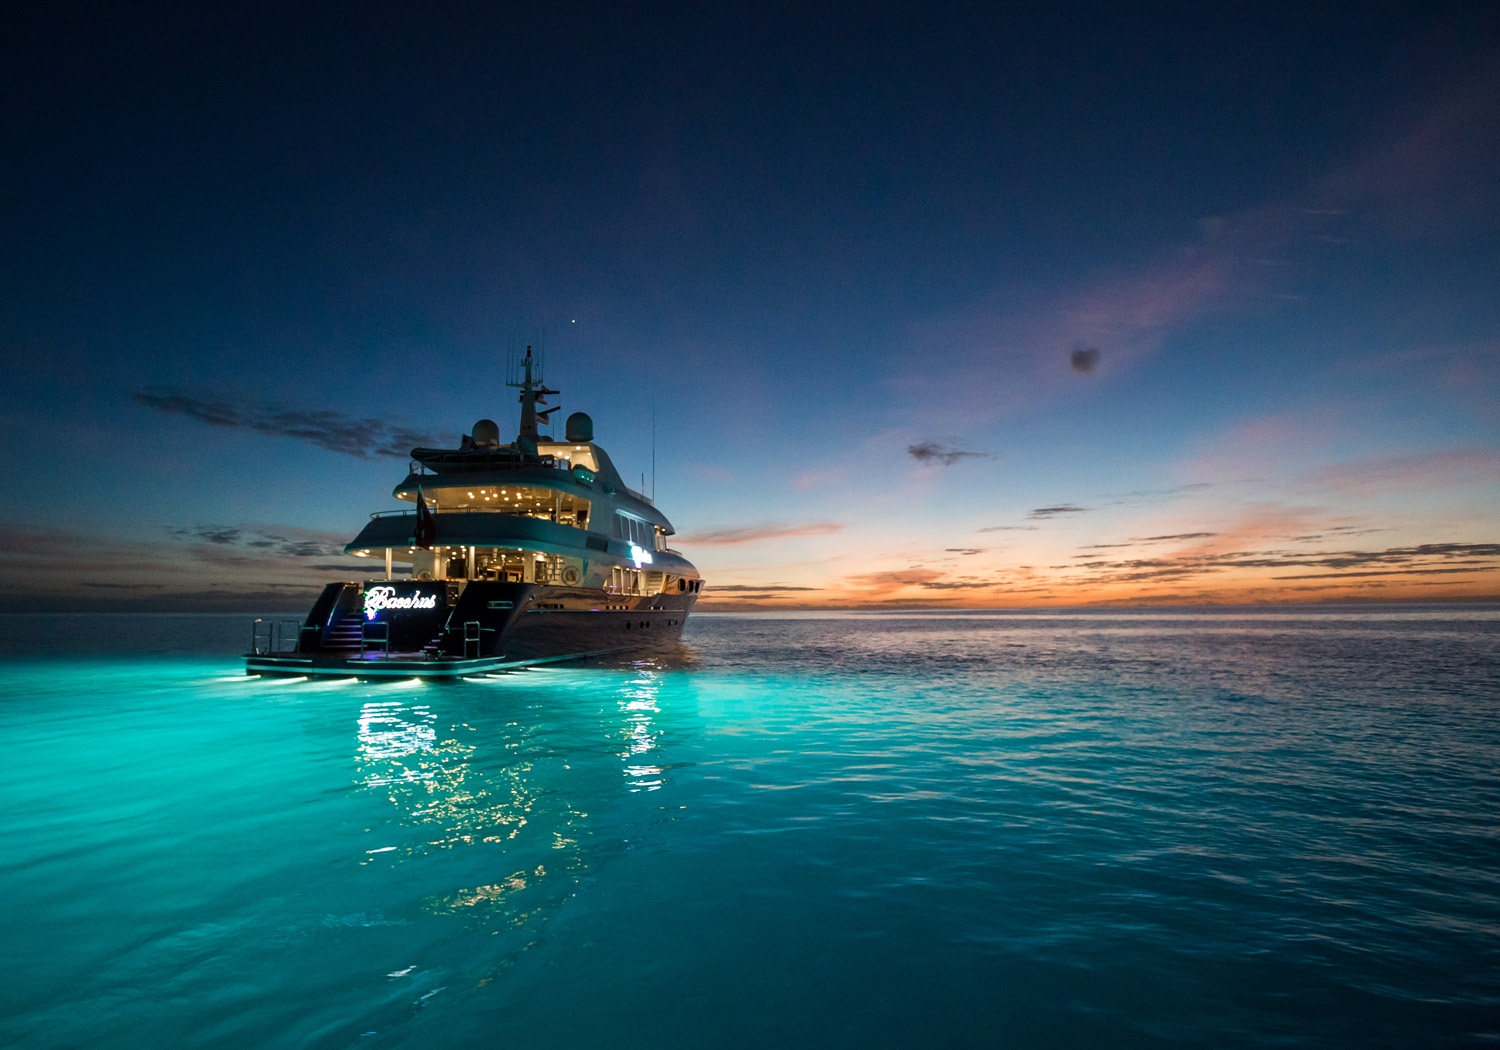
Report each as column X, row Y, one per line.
column 274, row 637
column 375, row 637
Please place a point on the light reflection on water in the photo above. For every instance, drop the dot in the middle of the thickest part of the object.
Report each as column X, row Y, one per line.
column 1250, row 830
column 448, row 799
column 638, row 704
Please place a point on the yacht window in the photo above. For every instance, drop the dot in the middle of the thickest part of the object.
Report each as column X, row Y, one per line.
column 623, row 581
column 506, row 564
column 567, row 456
column 527, row 501
column 634, row 530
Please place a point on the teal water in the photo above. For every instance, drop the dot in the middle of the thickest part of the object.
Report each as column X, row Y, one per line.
column 1134, row 829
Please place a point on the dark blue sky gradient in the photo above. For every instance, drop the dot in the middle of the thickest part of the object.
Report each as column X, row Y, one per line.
column 766, row 222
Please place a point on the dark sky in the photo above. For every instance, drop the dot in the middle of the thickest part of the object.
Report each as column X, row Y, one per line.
column 1090, row 244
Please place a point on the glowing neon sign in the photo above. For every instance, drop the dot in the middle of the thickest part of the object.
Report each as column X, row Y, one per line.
column 383, row 597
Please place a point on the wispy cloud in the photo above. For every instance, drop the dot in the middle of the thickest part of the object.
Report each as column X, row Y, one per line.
column 1009, row 528
column 933, row 452
column 197, row 567
column 1043, row 513
column 1136, row 541
column 364, row 438
column 1439, row 469
column 1138, row 496
column 737, row 587
column 918, row 577
column 292, row 543
column 1005, row 352
column 1420, row 559
column 1420, row 571
column 771, row 530
column 1017, row 345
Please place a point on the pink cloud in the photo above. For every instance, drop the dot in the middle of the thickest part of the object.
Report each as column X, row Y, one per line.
column 771, row 530
column 1434, row 172
column 1437, row 171
column 1443, row 469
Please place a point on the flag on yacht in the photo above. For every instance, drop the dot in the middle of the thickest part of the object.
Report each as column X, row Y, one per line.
column 426, row 530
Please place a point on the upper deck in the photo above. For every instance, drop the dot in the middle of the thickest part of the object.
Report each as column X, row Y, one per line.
column 559, row 482
column 542, row 503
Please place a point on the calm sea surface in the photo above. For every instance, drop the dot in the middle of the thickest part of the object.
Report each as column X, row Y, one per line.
column 1126, row 829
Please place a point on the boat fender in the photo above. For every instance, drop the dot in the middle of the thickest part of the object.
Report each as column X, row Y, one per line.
column 570, row 576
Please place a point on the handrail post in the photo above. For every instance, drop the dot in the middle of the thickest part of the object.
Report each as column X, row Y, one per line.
column 382, row 640
column 257, row 632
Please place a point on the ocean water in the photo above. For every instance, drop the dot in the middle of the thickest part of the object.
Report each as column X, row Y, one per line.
column 1210, row 829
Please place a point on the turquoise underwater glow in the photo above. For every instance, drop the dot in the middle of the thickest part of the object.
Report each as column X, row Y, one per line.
column 1133, row 829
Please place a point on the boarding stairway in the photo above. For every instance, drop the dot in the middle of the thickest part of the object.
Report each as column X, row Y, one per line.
column 346, row 636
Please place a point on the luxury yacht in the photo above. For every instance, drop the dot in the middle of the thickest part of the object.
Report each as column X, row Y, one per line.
column 509, row 555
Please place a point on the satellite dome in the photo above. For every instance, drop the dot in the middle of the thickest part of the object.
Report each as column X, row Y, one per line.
column 580, row 427
column 487, row 433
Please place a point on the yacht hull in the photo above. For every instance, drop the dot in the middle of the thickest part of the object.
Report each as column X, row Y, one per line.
column 432, row 630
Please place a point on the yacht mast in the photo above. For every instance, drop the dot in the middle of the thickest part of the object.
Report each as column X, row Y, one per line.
column 533, row 393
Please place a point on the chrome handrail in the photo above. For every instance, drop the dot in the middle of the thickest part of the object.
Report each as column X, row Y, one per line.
column 380, row 642
column 474, row 638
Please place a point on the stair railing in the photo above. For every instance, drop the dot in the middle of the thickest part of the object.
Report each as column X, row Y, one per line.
column 375, row 637
column 474, row 639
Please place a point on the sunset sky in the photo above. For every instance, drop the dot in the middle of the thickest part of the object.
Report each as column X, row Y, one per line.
column 969, row 307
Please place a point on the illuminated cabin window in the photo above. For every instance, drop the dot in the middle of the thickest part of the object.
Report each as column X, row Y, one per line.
column 567, row 456
column 502, row 564
column 527, row 567
column 524, row 500
column 634, row 530
column 635, row 581
column 623, row 581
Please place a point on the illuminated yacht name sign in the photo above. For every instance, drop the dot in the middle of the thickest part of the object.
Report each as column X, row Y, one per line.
column 378, row 598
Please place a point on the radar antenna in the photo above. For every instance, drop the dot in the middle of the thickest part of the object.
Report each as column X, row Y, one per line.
column 526, row 376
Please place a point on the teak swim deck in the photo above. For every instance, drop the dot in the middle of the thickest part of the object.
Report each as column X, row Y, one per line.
column 414, row 665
